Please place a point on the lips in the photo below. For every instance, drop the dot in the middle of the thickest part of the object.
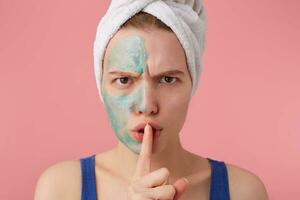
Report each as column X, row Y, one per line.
column 138, row 131
column 140, row 127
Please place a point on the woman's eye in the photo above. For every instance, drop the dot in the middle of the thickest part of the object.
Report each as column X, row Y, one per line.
column 122, row 80
column 169, row 79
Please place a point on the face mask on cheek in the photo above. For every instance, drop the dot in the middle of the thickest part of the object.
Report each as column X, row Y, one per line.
column 119, row 109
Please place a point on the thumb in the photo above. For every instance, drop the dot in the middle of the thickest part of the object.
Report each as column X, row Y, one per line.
column 180, row 187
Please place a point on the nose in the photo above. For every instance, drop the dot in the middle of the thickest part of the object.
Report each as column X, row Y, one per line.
column 147, row 104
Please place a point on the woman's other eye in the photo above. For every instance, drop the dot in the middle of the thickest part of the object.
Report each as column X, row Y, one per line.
column 169, row 79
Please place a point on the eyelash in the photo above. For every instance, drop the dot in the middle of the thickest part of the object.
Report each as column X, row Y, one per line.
column 174, row 78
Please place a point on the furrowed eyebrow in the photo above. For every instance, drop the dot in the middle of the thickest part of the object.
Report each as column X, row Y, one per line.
column 122, row 73
column 169, row 73
column 166, row 73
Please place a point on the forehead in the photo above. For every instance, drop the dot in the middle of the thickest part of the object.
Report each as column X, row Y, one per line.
column 163, row 49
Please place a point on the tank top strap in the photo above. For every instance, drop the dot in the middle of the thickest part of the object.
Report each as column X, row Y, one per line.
column 88, row 189
column 219, row 188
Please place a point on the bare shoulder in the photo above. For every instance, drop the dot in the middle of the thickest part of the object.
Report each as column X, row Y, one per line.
column 60, row 181
column 245, row 185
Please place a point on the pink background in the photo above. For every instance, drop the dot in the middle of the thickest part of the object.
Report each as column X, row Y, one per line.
column 245, row 112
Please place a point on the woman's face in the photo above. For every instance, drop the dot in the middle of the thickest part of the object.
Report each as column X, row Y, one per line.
column 145, row 79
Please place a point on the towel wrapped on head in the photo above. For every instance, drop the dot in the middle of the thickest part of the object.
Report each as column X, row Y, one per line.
column 186, row 18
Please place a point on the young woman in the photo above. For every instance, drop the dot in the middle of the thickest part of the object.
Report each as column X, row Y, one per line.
column 146, row 86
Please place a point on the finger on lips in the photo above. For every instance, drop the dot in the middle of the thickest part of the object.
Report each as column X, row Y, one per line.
column 144, row 159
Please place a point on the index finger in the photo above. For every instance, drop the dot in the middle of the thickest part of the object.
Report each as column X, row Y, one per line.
column 144, row 159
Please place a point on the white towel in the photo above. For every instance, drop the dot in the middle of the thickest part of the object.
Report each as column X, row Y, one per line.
column 186, row 18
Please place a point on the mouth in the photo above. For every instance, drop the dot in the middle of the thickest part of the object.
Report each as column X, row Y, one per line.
column 138, row 132
column 142, row 131
column 140, row 127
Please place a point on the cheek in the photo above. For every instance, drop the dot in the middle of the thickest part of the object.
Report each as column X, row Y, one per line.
column 118, row 110
column 175, row 111
column 176, row 100
column 120, row 107
column 178, row 107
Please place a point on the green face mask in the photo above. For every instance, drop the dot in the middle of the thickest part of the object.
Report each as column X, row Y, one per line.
column 128, row 55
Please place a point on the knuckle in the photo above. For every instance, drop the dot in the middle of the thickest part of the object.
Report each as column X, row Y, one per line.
column 138, row 188
column 170, row 191
column 167, row 192
column 165, row 171
column 135, row 193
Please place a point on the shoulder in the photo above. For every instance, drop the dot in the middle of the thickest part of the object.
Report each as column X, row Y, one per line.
column 245, row 185
column 60, row 181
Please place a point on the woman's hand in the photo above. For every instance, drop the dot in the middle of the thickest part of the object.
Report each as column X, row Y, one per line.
column 154, row 185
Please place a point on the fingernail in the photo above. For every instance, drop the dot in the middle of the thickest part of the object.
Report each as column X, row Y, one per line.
column 146, row 126
column 149, row 126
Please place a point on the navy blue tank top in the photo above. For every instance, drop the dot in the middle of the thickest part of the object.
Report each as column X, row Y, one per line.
column 219, row 188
